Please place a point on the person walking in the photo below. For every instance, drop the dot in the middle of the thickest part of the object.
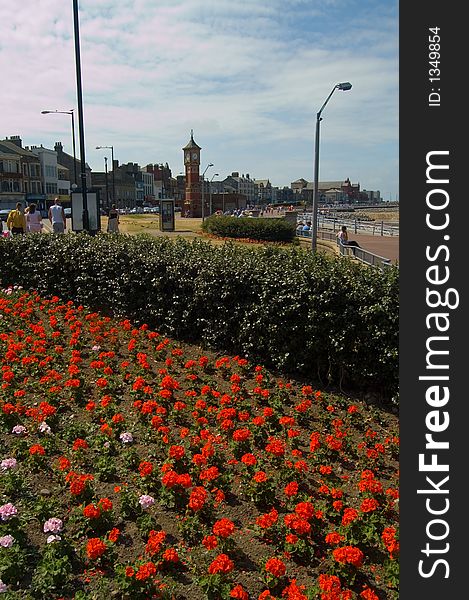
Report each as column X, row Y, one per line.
column 16, row 221
column 57, row 217
column 113, row 220
column 33, row 219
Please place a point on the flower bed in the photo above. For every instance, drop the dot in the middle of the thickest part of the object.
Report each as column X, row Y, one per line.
column 138, row 467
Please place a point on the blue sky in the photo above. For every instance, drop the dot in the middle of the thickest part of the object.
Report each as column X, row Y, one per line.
column 248, row 76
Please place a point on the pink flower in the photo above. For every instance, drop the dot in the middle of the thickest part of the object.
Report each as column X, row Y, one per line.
column 18, row 429
column 7, row 541
column 53, row 525
column 8, row 463
column 7, row 511
column 146, row 501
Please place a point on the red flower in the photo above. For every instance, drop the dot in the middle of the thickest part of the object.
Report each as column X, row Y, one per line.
column 171, row 555
column 240, row 435
column 267, row 520
column 145, row 571
column 239, row 593
column 369, row 505
column 221, row 564
column 80, row 444
column 223, row 528
column 348, row 554
column 260, row 477
column 95, row 548
column 248, row 459
column 369, row 594
column 113, row 535
column 145, row 468
column 105, row 504
column 197, row 498
column 37, row 449
column 305, row 510
column 91, row 512
column 350, row 515
column 64, row 463
column 210, row 542
column 333, row 538
column 176, row 452
column 275, row 567
column 291, row 489
column 275, row 447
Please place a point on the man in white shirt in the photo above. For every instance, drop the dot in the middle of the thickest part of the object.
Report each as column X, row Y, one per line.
column 57, row 217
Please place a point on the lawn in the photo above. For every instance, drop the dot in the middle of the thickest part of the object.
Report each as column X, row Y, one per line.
column 133, row 466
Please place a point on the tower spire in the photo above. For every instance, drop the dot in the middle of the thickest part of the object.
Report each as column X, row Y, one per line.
column 192, row 134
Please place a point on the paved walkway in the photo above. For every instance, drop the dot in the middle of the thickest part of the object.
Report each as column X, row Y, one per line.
column 385, row 246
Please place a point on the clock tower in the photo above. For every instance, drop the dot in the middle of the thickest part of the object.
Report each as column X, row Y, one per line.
column 193, row 201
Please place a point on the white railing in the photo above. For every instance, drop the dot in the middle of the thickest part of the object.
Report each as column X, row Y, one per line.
column 354, row 225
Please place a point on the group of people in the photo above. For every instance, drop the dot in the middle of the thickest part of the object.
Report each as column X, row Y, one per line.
column 20, row 222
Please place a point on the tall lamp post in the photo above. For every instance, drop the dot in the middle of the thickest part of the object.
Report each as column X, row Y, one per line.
column 105, row 179
column 67, row 112
column 210, row 190
column 111, row 148
column 76, row 29
column 203, row 191
column 314, row 230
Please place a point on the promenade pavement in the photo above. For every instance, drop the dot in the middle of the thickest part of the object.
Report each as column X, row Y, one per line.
column 382, row 245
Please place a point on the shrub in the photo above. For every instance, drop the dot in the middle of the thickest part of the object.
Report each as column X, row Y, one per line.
column 300, row 313
column 270, row 230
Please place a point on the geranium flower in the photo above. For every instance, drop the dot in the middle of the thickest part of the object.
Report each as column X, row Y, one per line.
column 19, row 429
column 53, row 525
column 7, row 511
column 8, row 463
column 95, row 548
column 224, row 528
column 221, row 564
column 126, row 437
column 7, row 541
column 145, row 571
column 146, row 501
column 275, row 567
column 239, row 593
column 348, row 555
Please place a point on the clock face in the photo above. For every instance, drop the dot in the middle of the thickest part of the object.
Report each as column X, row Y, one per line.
column 194, row 156
column 188, row 156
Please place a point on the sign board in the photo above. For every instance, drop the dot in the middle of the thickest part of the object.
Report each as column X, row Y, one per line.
column 167, row 215
column 93, row 206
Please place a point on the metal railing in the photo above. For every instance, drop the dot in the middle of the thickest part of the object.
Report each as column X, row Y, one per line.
column 355, row 225
column 364, row 256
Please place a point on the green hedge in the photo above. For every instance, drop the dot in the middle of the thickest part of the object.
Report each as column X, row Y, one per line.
column 301, row 313
column 269, row 230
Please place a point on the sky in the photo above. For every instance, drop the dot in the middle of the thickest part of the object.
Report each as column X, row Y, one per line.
column 247, row 76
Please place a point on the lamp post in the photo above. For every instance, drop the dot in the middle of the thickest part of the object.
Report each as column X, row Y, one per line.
column 314, row 229
column 210, row 190
column 76, row 29
column 111, row 148
column 67, row 112
column 105, row 179
column 203, row 186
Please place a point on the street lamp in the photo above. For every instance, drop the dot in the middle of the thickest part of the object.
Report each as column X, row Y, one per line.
column 314, row 230
column 111, row 148
column 67, row 112
column 203, row 201
column 210, row 190
column 105, row 179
